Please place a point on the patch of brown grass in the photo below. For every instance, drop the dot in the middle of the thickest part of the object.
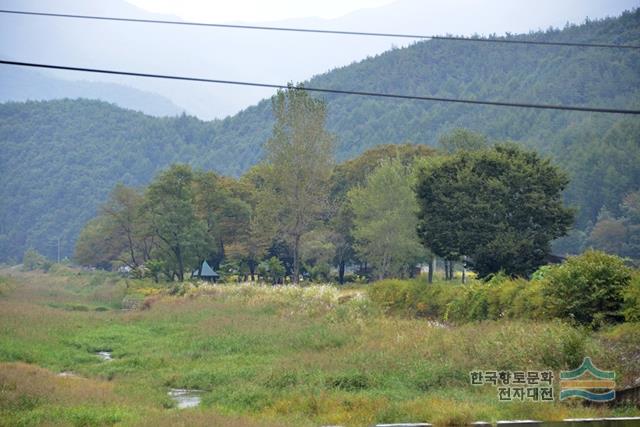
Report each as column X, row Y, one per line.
column 20, row 382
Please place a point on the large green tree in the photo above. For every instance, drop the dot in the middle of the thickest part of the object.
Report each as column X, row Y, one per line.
column 226, row 215
column 621, row 235
column 120, row 234
column 182, row 236
column 262, row 223
column 354, row 173
column 299, row 159
column 385, row 220
column 501, row 206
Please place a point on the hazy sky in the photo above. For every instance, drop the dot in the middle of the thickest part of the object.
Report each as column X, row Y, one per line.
column 255, row 10
column 269, row 57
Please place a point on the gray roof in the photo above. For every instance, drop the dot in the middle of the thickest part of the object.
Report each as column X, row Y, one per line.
column 207, row 271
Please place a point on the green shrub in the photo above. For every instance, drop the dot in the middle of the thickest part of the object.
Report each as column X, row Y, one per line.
column 471, row 303
column 587, row 289
column 433, row 300
column 32, row 260
column 631, row 308
column 501, row 297
column 540, row 273
column 391, row 295
column 4, row 285
column 272, row 269
column 528, row 302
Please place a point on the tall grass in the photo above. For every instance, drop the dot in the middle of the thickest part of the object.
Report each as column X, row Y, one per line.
column 279, row 355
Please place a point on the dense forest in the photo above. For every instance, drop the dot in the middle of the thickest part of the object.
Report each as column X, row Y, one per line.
column 61, row 158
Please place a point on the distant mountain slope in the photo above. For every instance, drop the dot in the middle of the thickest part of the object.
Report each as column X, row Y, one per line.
column 539, row 74
column 60, row 158
column 21, row 84
column 267, row 56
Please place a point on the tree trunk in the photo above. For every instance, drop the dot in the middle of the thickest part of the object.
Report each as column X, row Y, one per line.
column 341, row 266
column 178, row 253
column 296, row 260
column 464, row 269
column 132, row 251
column 252, row 270
column 432, row 266
column 450, row 270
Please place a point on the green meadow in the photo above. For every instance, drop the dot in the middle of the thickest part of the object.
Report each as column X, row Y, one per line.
column 262, row 355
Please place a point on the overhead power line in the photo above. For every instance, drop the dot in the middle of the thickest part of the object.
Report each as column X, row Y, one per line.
column 321, row 31
column 326, row 90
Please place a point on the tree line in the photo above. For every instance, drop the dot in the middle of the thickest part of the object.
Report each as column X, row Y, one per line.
column 495, row 206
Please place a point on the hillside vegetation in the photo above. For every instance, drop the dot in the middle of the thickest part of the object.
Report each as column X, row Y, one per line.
column 60, row 158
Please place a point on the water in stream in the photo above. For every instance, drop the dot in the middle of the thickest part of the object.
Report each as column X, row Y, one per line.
column 105, row 355
column 185, row 398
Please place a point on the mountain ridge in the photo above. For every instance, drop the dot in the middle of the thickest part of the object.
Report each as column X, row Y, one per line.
column 271, row 56
column 21, row 84
column 62, row 154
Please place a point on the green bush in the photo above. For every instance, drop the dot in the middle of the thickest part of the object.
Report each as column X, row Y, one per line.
column 587, row 289
column 272, row 269
column 393, row 296
column 433, row 300
column 515, row 299
column 501, row 297
column 528, row 303
column 631, row 308
column 471, row 303
column 4, row 285
column 32, row 260
column 590, row 289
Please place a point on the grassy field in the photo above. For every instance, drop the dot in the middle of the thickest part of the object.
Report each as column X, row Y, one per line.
column 267, row 356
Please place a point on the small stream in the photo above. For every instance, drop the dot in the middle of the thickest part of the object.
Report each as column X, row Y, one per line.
column 105, row 356
column 185, row 398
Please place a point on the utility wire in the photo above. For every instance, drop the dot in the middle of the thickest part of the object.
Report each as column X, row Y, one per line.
column 321, row 31
column 325, row 90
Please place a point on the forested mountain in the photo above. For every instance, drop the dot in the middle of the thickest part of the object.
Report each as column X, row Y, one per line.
column 60, row 158
column 232, row 54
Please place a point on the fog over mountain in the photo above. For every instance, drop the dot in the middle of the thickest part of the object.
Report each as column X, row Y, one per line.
column 240, row 55
column 26, row 84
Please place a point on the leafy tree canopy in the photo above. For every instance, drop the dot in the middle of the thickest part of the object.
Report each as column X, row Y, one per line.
column 501, row 206
column 385, row 220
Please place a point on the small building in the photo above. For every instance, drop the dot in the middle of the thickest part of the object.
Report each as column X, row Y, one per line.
column 205, row 272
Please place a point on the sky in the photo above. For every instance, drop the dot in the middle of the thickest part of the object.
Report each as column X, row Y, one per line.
column 255, row 10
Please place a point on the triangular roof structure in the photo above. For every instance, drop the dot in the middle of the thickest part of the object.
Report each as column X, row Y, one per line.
column 207, row 271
